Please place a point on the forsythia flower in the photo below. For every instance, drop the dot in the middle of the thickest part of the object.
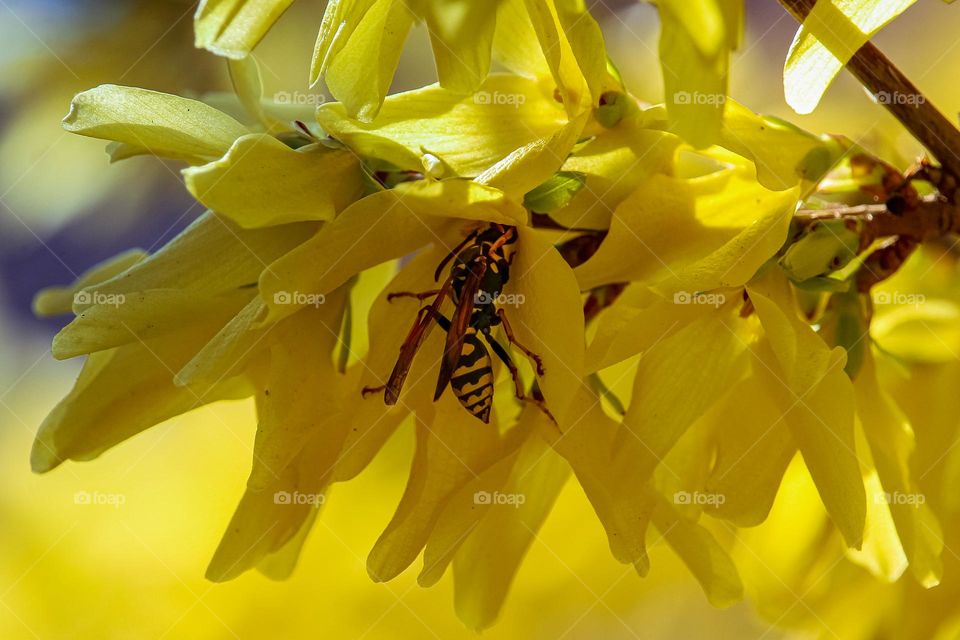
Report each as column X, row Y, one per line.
column 645, row 266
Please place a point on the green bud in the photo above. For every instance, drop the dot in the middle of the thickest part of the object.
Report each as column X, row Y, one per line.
column 826, row 246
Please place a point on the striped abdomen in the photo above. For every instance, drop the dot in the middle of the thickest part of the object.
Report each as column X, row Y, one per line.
column 472, row 380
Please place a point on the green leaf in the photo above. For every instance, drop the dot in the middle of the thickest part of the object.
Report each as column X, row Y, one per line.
column 555, row 193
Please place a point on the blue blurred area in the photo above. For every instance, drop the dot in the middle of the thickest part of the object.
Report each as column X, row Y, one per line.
column 85, row 241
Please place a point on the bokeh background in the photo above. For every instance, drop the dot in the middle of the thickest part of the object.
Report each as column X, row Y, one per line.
column 134, row 569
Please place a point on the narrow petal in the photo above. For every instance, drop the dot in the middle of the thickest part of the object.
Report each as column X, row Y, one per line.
column 699, row 550
column 680, row 378
column 298, row 400
column 124, row 391
column 232, row 28
column 461, row 35
column 891, row 441
column 383, row 226
column 604, row 462
column 807, row 380
column 451, row 451
column 469, row 134
column 730, row 225
column 54, row 301
column 207, row 270
column 165, row 125
column 831, row 34
column 262, row 182
column 548, row 318
column 486, row 563
column 361, row 73
column 752, row 456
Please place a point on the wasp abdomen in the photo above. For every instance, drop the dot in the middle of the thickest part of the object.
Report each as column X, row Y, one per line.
column 472, row 379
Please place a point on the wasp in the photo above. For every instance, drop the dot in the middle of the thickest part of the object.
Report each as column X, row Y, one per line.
column 480, row 268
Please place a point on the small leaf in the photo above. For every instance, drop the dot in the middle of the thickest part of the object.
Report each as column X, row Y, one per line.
column 555, row 193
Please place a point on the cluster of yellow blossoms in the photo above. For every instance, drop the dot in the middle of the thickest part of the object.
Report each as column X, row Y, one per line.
column 679, row 407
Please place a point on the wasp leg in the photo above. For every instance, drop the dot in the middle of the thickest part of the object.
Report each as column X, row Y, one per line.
column 411, row 294
column 515, row 375
column 513, row 340
column 368, row 390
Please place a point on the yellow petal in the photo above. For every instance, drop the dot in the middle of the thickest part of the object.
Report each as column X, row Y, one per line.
column 232, row 28
column 831, row 34
column 680, row 378
column 637, row 320
column 361, row 73
column 383, row 226
column 340, row 20
column 615, row 166
column 371, row 422
column 230, row 350
column 548, row 318
column 783, row 154
column 698, row 549
column 807, row 381
column 754, row 448
column 165, row 125
column 54, row 301
column 696, row 39
column 469, row 134
column 533, row 164
column 604, row 459
column 268, row 527
column 730, row 225
column 124, row 391
column 451, row 451
column 891, row 442
column 207, row 270
column 262, row 182
column 487, row 561
column 298, row 401
column 461, row 35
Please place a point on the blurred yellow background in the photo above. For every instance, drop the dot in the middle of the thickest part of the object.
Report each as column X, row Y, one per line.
column 117, row 548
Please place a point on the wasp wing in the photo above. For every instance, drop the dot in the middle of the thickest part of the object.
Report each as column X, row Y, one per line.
column 459, row 324
column 418, row 334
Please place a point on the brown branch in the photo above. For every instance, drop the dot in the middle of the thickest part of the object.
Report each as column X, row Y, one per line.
column 881, row 77
column 932, row 218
